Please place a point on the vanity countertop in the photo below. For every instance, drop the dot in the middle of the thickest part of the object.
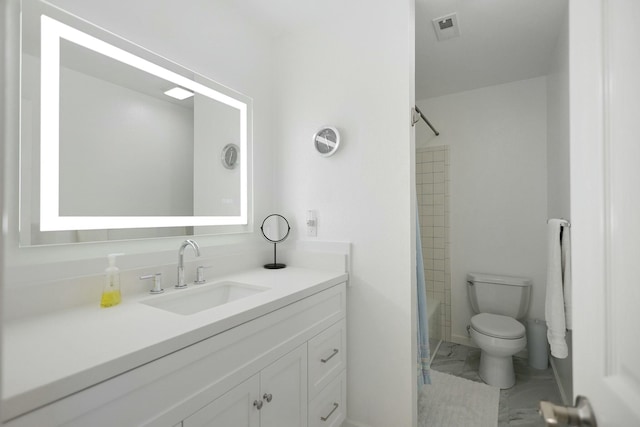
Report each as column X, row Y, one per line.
column 48, row 357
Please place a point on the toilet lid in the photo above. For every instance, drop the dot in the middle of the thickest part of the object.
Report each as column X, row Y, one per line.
column 497, row 326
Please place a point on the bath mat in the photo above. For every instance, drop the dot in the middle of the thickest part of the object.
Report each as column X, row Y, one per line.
column 456, row 402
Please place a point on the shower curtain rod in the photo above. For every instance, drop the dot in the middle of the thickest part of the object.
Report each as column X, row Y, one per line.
column 426, row 120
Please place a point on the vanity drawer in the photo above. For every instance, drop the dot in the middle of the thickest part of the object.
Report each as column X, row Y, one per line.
column 329, row 408
column 327, row 356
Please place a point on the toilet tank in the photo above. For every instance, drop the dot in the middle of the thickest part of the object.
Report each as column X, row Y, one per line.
column 505, row 295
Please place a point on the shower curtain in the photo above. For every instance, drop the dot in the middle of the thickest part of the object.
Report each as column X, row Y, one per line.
column 424, row 358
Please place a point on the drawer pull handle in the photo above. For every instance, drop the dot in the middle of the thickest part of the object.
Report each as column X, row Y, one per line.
column 335, row 406
column 267, row 397
column 335, row 351
column 258, row 404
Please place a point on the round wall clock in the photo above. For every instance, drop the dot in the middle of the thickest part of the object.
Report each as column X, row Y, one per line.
column 230, row 154
column 327, row 141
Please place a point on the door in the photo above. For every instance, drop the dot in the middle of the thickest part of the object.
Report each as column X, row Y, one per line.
column 605, row 205
column 283, row 389
column 235, row 408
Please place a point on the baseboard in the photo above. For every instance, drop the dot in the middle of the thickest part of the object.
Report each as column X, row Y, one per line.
column 462, row 339
column 563, row 393
column 350, row 423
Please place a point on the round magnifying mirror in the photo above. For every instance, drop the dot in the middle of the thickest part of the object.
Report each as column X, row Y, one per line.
column 275, row 228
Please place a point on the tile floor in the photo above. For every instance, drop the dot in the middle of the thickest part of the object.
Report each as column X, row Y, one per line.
column 519, row 404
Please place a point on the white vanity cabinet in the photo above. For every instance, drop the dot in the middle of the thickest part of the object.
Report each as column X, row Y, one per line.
column 276, row 397
column 291, row 362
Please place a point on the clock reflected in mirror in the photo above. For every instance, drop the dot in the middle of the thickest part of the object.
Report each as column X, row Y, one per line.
column 230, row 155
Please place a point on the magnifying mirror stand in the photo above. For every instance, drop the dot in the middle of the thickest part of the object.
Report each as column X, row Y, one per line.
column 274, row 265
column 275, row 231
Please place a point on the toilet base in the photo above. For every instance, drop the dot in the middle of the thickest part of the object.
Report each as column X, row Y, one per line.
column 497, row 371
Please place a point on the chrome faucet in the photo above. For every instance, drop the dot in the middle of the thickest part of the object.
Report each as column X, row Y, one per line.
column 183, row 246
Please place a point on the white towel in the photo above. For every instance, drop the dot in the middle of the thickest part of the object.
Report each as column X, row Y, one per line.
column 554, row 301
column 566, row 275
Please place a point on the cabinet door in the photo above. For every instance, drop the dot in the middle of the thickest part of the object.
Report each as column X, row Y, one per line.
column 283, row 389
column 233, row 409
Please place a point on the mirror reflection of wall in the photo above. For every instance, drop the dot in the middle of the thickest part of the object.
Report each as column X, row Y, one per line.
column 126, row 148
column 216, row 188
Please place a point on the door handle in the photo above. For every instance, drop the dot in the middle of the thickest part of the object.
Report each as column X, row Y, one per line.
column 580, row 415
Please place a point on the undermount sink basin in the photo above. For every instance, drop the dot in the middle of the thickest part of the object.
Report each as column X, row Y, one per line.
column 191, row 301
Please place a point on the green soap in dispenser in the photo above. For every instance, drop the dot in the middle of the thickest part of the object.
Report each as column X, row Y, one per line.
column 111, row 292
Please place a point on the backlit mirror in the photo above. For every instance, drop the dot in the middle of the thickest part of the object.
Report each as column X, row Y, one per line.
column 120, row 143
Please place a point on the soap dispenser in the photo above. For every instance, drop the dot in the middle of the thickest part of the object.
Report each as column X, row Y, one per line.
column 111, row 292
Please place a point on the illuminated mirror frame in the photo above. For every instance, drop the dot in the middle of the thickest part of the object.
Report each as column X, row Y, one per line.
column 52, row 32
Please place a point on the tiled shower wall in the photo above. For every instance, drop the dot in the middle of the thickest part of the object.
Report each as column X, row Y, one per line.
column 432, row 188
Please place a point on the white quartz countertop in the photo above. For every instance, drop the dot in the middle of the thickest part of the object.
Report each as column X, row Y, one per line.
column 48, row 357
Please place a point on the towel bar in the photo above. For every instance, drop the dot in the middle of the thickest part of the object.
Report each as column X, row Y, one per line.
column 564, row 223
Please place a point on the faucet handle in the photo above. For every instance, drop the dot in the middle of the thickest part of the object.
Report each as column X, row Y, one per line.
column 200, row 274
column 157, row 282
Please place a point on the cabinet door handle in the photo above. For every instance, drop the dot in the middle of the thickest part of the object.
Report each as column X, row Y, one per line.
column 335, row 351
column 335, row 406
column 268, row 397
column 258, row 404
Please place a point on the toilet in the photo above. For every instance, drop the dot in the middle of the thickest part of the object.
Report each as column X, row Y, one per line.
column 498, row 302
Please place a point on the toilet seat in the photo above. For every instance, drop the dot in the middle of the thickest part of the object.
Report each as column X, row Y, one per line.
column 497, row 326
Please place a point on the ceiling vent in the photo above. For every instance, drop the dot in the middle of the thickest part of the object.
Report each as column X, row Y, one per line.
column 446, row 27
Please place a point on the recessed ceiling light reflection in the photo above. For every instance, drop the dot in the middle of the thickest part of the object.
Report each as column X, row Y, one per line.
column 179, row 93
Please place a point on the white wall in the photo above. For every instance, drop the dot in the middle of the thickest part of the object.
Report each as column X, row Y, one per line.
column 498, row 193
column 558, row 129
column 558, row 179
column 221, row 46
column 352, row 69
